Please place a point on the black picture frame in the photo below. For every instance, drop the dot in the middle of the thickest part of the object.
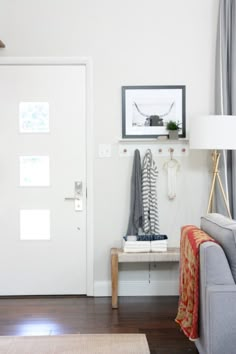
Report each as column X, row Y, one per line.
column 146, row 109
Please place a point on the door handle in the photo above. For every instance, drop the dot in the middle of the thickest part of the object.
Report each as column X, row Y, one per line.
column 78, row 196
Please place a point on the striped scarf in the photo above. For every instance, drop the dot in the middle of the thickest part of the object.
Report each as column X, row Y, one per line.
column 149, row 195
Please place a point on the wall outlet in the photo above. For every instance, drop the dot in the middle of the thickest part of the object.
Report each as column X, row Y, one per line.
column 104, row 150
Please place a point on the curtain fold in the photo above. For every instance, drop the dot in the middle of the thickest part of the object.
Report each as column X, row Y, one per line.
column 225, row 95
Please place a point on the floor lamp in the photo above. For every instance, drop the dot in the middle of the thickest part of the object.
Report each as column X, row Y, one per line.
column 216, row 133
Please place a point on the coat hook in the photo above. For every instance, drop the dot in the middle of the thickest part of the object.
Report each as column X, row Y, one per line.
column 171, row 150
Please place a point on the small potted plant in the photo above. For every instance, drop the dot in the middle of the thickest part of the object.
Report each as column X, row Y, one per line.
column 173, row 127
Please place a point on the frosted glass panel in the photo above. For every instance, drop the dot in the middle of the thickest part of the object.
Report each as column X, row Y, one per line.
column 34, row 117
column 35, row 224
column 34, row 171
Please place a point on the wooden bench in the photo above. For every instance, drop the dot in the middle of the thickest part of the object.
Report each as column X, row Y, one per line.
column 118, row 256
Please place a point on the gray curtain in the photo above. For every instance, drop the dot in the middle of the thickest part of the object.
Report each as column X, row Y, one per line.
column 225, row 95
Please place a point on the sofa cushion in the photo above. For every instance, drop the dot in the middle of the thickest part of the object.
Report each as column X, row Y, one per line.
column 223, row 230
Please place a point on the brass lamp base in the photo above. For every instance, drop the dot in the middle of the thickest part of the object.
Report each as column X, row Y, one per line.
column 216, row 176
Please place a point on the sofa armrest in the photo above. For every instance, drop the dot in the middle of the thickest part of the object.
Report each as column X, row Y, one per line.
column 214, row 266
column 217, row 283
column 221, row 318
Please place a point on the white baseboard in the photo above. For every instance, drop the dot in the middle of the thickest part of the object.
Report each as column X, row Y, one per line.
column 138, row 288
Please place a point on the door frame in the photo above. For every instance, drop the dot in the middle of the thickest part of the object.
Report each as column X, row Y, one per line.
column 87, row 62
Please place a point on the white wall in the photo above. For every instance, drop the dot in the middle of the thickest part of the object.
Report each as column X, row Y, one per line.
column 131, row 42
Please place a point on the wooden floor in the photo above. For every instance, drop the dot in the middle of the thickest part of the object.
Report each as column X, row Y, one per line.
column 153, row 316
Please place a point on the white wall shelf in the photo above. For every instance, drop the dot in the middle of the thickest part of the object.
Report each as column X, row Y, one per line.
column 157, row 141
column 179, row 148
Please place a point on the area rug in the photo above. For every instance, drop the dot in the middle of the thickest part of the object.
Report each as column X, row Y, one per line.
column 76, row 344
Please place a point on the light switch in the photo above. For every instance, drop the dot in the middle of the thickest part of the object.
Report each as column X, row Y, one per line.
column 104, row 150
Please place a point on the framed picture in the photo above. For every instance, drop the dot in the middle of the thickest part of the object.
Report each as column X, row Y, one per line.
column 147, row 109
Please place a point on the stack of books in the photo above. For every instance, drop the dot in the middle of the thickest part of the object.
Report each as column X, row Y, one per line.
column 145, row 243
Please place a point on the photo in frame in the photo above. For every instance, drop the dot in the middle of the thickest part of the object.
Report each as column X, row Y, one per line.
column 147, row 109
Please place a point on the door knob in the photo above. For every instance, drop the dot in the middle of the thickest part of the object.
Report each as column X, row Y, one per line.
column 78, row 196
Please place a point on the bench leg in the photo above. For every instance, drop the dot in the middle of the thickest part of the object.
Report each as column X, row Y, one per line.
column 114, row 279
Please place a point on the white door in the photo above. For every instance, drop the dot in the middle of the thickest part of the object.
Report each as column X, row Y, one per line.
column 42, row 168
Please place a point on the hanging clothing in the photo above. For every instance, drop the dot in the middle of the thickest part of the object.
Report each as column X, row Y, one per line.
column 136, row 203
column 149, row 195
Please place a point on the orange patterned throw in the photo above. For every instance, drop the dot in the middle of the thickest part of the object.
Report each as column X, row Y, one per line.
column 187, row 317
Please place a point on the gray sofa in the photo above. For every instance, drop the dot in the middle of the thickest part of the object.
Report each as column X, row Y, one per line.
column 218, row 287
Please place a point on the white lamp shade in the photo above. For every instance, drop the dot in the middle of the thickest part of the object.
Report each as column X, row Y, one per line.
column 213, row 132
